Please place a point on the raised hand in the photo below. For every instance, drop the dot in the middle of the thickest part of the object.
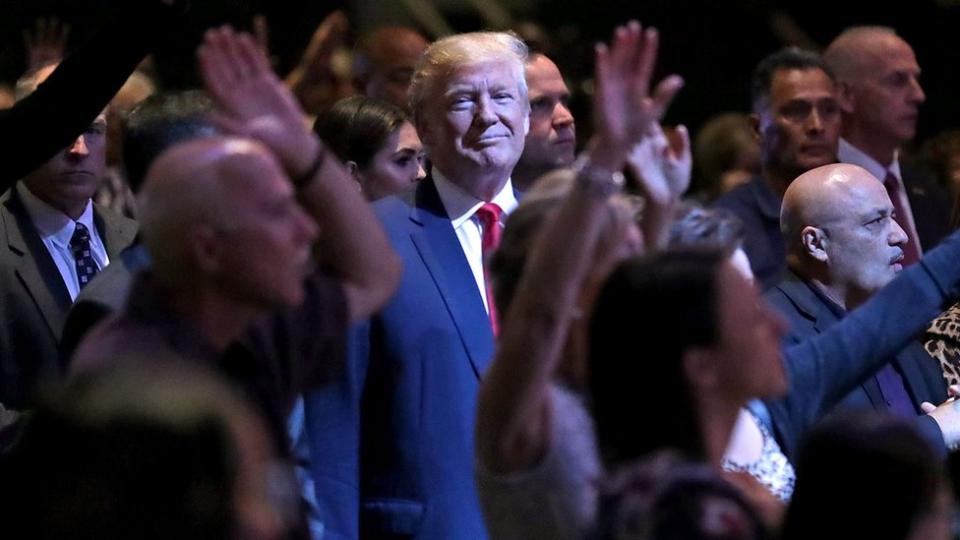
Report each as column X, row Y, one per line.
column 252, row 100
column 46, row 43
column 623, row 106
column 662, row 169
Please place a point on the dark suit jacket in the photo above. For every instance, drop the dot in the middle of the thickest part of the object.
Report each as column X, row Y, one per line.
column 407, row 405
column 35, row 299
column 758, row 207
column 809, row 316
column 930, row 206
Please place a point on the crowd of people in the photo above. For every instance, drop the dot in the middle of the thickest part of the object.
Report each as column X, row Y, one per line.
column 411, row 304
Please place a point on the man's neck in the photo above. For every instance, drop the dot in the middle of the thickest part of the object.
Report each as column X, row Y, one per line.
column 524, row 176
column 483, row 184
column 778, row 181
column 881, row 151
column 219, row 320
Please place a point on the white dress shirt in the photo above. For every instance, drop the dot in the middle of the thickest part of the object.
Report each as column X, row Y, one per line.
column 461, row 207
column 847, row 153
column 56, row 230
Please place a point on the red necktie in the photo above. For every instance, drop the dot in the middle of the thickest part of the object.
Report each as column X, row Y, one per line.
column 911, row 251
column 489, row 216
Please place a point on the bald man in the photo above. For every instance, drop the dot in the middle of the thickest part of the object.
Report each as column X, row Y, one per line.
column 843, row 246
column 878, row 82
column 384, row 61
column 552, row 140
column 231, row 224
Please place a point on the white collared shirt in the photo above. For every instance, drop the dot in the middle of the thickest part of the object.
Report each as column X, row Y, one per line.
column 847, row 153
column 56, row 229
column 461, row 207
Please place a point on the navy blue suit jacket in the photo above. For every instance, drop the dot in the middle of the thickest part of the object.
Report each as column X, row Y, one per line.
column 407, row 405
column 809, row 315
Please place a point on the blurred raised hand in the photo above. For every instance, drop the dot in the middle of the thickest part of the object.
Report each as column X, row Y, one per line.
column 251, row 99
column 45, row 44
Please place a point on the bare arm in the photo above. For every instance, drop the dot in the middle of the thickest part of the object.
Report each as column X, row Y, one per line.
column 514, row 403
column 257, row 104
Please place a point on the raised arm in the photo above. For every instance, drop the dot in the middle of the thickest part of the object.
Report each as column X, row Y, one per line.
column 254, row 102
column 825, row 368
column 81, row 87
column 514, row 409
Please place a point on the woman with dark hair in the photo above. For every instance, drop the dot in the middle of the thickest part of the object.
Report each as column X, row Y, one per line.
column 537, row 463
column 709, row 345
column 377, row 143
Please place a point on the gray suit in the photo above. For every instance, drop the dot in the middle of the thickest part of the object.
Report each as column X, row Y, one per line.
column 35, row 300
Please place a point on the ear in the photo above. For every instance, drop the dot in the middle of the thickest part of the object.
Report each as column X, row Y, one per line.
column 815, row 242
column 845, row 97
column 204, row 246
column 423, row 130
column 526, row 123
column 700, row 365
column 353, row 169
column 754, row 119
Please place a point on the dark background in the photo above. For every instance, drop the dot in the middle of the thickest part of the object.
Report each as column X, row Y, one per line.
column 714, row 44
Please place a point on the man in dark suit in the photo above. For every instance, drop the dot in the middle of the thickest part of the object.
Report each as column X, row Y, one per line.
column 797, row 119
column 57, row 239
column 880, row 96
column 408, row 407
column 843, row 245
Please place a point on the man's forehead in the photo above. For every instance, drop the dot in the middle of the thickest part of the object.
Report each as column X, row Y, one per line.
column 491, row 72
column 790, row 84
column 543, row 75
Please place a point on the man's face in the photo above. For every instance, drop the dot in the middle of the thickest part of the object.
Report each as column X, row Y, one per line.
column 886, row 98
column 864, row 244
column 267, row 244
column 800, row 126
column 476, row 119
column 393, row 66
column 551, row 142
column 71, row 177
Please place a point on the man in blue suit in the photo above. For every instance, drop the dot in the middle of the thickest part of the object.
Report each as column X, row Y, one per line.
column 843, row 245
column 392, row 445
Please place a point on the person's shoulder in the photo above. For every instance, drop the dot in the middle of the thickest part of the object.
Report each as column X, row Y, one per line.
column 739, row 197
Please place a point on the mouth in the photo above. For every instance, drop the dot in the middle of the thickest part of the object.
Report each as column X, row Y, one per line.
column 896, row 261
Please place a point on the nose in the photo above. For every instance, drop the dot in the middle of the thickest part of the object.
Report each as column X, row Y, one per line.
column 562, row 117
column 485, row 115
column 898, row 237
column 79, row 147
column 814, row 121
column 421, row 172
column 916, row 91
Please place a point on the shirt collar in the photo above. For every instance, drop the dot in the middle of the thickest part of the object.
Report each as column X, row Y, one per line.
column 461, row 206
column 50, row 222
column 849, row 153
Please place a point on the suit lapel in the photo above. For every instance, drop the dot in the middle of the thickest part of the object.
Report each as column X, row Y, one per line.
column 33, row 265
column 443, row 256
column 807, row 302
column 116, row 231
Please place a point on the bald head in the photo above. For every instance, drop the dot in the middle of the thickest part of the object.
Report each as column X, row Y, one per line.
column 880, row 92
column 821, row 196
column 840, row 231
column 196, row 183
column 851, row 54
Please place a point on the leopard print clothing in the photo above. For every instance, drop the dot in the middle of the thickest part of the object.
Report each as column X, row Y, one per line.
column 942, row 342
